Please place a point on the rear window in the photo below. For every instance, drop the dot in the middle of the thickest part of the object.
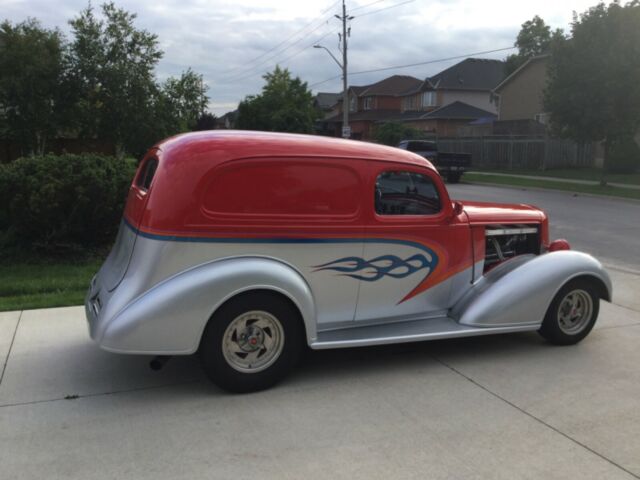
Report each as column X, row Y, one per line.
column 271, row 187
column 147, row 171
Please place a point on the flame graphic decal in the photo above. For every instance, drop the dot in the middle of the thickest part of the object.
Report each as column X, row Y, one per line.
column 382, row 266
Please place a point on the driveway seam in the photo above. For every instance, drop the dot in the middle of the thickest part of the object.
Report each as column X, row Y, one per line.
column 13, row 338
column 539, row 420
column 99, row 394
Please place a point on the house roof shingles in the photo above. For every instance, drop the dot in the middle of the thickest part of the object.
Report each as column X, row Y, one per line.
column 393, row 86
column 327, row 100
column 469, row 74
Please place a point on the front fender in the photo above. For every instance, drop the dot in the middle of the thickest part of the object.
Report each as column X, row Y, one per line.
column 170, row 317
column 519, row 291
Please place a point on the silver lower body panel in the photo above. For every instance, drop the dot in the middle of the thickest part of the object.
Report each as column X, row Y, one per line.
column 410, row 331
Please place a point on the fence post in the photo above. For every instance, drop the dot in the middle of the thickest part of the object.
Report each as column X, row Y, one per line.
column 546, row 152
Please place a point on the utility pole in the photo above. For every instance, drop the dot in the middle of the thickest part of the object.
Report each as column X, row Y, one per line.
column 346, row 32
column 346, row 129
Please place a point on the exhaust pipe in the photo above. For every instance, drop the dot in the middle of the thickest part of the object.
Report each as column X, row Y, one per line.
column 158, row 362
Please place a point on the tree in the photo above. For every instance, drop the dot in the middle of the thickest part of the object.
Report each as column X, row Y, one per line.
column 206, row 121
column 113, row 64
column 285, row 105
column 593, row 89
column 32, row 90
column 185, row 101
column 391, row 133
column 534, row 39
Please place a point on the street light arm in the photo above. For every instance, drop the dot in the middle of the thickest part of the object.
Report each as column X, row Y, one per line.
column 329, row 52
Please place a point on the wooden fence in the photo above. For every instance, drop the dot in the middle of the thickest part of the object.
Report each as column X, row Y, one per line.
column 513, row 152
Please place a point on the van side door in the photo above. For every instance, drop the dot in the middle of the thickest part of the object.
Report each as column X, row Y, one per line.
column 417, row 252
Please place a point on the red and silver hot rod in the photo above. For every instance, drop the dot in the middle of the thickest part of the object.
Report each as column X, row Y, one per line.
column 247, row 246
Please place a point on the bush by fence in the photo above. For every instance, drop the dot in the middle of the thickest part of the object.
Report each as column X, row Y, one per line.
column 56, row 203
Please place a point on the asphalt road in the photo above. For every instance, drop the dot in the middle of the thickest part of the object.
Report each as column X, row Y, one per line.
column 607, row 228
column 495, row 407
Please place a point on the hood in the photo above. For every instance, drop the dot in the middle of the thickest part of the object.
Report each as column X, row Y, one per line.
column 486, row 213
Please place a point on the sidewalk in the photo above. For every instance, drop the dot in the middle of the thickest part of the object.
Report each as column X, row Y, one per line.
column 556, row 179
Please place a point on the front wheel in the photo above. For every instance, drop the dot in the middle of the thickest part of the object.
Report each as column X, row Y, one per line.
column 572, row 313
column 251, row 342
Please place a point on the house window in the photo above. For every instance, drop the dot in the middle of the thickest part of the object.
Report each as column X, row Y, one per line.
column 409, row 103
column 429, row 99
column 353, row 103
column 368, row 103
column 406, row 193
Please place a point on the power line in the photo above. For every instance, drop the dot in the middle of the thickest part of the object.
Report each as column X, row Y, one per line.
column 290, row 36
column 248, row 70
column 439, row 60
column 255, row 70
column 365, row 6
column 385, row 8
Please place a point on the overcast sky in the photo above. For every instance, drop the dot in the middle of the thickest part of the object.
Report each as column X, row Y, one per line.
column 232, row 43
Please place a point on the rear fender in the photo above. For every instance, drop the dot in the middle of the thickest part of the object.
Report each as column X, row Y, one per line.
column 519, row 291
column 170, row 317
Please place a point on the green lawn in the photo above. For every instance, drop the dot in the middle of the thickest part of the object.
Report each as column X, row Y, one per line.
column 42, row 285
column 554, row 185
column 593, row 174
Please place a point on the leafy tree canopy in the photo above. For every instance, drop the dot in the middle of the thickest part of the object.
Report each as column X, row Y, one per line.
column 593, row 90
column 31, row 84
column 285, row 105
column 534, row 39
column 99, row 85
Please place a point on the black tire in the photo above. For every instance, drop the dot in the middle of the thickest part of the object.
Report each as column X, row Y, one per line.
column 212, row 353
column 453, row 177
column 552, row 328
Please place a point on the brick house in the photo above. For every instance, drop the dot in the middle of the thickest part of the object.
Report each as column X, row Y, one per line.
column 470, row 81
column 440, row 104
column 370, row 104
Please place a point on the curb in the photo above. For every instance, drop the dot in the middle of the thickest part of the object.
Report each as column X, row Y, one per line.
column 550, row 189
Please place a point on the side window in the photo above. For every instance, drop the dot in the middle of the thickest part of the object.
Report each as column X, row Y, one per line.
column 146, row 173
column 405, row 193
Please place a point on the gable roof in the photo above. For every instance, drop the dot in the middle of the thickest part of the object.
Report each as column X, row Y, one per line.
column 469, row 74
column 519, row 70
column 451, row 111
column 327, row 100
column 394, row 85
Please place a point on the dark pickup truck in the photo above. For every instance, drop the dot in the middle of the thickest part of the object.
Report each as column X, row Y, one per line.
column 450, row 165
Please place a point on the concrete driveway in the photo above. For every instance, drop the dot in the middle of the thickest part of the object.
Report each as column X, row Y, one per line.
column 509, row 406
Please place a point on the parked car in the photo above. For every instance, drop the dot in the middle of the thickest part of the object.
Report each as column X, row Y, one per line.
column 450, row 165
column 246, row 247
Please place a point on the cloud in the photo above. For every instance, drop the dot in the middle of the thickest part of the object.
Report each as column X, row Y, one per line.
column 229, row 42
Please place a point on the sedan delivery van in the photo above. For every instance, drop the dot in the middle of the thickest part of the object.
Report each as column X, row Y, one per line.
column 247, row 247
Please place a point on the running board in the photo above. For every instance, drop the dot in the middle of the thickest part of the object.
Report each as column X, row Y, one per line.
column 402, row 332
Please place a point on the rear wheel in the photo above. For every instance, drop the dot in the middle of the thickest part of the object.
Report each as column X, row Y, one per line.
column 251, row 342
column 572, row 313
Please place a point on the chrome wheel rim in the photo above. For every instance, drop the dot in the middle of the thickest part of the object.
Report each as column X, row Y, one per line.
column 253, row 341
column 574, row 312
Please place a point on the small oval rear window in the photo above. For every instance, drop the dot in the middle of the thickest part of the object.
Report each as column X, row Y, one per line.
column 146, row 173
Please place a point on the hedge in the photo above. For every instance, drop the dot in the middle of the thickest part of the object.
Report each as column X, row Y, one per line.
column 62, row 202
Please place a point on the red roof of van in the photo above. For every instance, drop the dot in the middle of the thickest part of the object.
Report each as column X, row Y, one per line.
column 231, row 144
column 176, row 201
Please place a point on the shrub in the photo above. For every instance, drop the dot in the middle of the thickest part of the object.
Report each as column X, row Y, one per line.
column 56, row 203
column 391, row 133
column 624, row 156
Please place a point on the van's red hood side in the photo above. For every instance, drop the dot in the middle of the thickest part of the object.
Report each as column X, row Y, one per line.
column 485, row 213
